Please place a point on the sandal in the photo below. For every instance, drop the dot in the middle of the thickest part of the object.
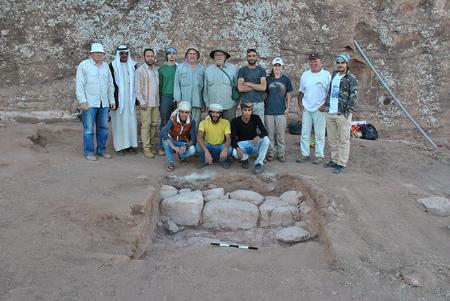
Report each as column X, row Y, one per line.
column 170, row 167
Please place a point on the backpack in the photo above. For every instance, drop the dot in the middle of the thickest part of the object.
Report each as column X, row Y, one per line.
column 369, row 132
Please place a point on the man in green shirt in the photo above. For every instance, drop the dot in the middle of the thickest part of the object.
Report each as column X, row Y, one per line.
column 166, row 79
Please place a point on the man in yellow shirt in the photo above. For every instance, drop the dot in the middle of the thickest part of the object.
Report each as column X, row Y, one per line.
column 214, row 138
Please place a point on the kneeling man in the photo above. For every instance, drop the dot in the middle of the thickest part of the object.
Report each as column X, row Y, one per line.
column 178, row 135
column 244, row 138
column 214, row 138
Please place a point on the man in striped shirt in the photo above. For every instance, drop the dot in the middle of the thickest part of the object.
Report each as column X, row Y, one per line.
column 146, row 89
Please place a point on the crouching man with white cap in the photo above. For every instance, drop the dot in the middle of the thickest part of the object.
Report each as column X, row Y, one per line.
column 95, row 92
column 214, row 138
column 178, row 135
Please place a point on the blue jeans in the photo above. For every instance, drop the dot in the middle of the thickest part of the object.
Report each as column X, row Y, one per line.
column 166, row 107
column 248, row 148
column 99, row 118
column 169, row 151
column 214, row 150
column 309, row 119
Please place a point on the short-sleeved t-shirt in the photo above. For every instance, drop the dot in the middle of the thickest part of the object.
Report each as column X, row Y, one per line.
column 215, row 132
column 314, row 86
column 252, row 76
column 277, row 89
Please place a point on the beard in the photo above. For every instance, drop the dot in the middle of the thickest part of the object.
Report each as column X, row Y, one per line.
column 251, row 62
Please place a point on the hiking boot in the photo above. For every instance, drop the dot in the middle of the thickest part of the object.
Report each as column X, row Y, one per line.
column 91, row 158
column 302, row 159
column 317, row 160
column 245, row 164
column 225, row 164
column 148, row 153
column 281, row 159
column 105, row 156
column 339, row 169
column 258, row 169
column 330, row 164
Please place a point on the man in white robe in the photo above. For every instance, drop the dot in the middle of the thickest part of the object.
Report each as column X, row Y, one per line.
column 124, row 122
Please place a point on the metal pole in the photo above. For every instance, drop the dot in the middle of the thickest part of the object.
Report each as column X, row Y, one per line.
column 397, row 101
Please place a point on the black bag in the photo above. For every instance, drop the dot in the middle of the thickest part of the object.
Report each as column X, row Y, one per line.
column 369, row 132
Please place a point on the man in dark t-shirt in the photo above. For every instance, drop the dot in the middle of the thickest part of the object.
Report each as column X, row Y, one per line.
column 252, row 83
column 244, row 138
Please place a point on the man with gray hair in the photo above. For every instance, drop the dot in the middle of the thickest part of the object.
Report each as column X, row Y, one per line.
column 220, row 78
column 188, row 83
column 95, row 93
column 123, row 118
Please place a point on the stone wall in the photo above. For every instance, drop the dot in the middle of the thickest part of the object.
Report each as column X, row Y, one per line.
column 43, row 41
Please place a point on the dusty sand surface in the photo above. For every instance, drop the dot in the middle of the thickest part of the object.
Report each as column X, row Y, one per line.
column 66, row 232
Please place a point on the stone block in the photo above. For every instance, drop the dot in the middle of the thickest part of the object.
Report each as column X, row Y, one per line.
column 183, row 209
column 230, row 214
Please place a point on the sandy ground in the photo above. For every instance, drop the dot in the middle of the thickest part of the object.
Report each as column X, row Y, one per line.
column 66, row 231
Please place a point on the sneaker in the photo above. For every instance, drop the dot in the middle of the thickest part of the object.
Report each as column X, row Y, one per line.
column 91, row 158
column 330, row 164
column 258, row 169
column 245, row 164
column 105, row 156
column 161, row 152
column 339, row 169
column 281, row 159
column 148, row 154
column 225, row 164
column 317, row 160
column 302, row 159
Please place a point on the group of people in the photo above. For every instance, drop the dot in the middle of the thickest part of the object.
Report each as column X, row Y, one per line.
column 174, row 96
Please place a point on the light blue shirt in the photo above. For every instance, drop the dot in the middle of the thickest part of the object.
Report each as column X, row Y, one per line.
column 334, row 94
column 188, row 84
column 218, row 86
column 94, row 84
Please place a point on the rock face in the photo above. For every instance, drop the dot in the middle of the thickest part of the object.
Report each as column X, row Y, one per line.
column 436, row 205
column 412, row 30
column 292, row 234
column 230, row 214
column 183, row 209
column 247, row 195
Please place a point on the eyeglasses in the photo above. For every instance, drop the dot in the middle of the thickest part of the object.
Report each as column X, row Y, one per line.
column 123, row 53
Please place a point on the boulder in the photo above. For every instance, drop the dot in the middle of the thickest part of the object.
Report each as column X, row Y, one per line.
column 292, row 197
column 212, row 194
column 183, row 190
column 284, row 216
column 292, row 234
column 267, row 208
column 230, row 214
column 183, row 209
column 436, row 205
column 248, row 196
column 167, row 191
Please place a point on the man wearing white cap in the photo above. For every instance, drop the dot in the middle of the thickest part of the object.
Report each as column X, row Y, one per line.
column 178, row 135
column 123, row 118
column 95, row 92
column 188, row 83
column 220, row 78
column 214, row 138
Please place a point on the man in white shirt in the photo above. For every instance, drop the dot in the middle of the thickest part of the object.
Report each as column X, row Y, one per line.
column 95, row 92
column 314, row 85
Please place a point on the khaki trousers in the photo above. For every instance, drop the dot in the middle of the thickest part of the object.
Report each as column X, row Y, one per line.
column 276, row 128
column 338, row 137
column 149, row 124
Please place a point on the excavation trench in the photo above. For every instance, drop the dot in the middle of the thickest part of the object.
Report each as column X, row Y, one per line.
column 215, row 223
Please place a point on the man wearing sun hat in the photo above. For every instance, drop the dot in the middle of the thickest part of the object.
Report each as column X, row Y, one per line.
column 178, row 135
column 220, row 78
column 95, row 93
column 339, row 105
column 188, row 83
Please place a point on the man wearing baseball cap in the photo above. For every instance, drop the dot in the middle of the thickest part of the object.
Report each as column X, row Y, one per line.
column 314, row 85
column 188, row 83
column 339, row 105
column 95, row 93
column 214, row 138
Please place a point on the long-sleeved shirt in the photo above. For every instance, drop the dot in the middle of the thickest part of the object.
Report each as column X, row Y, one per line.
column 218, row 86
column 94, row 84
column 146, row 86
column 241, row 131
column 188, row 84
column 166, row 78
column 177, row 130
